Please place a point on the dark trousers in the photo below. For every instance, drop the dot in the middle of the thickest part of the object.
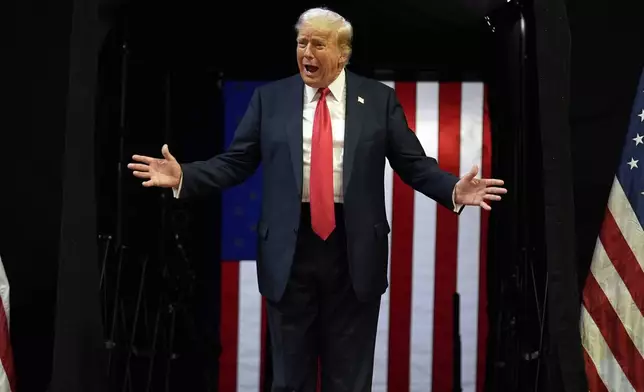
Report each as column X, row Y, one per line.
column 320, row 320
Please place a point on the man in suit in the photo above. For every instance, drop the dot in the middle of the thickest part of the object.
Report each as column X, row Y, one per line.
column 322, row 137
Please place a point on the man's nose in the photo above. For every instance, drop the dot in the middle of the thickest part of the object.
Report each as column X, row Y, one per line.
column 308, row 52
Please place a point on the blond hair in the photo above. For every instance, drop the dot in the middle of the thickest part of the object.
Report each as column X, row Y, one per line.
column 332, row 21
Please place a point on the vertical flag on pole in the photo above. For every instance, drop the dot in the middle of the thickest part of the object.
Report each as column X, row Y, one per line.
column 7, row 372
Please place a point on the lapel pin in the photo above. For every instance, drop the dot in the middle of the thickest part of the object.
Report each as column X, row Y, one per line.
column 360, row 99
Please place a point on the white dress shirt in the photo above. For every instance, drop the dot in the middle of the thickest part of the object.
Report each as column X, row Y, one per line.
column 336, row 102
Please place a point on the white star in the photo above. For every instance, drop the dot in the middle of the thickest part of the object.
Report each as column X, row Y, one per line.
column 638, row 139
column 633, row 163
column 641, row 116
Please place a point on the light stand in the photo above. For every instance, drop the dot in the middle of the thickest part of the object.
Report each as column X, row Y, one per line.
column 145, row 291
column 117, row 249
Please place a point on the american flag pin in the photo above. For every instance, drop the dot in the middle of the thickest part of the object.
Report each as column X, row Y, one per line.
column 360, row 99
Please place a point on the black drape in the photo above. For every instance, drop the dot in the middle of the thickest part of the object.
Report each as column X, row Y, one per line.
column 47, row 206
column 553, row 45
column 78, row 350
column 34, row 81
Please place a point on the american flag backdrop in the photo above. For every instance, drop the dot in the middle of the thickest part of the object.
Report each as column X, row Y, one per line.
column 612, row 321
column 433, row 253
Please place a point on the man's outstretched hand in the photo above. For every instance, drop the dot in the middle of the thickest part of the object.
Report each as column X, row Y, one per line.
column 164, row 173
column 472, row 191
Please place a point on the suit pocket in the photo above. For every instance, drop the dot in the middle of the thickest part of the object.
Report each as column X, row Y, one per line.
column 262, row 231
column 382, row 229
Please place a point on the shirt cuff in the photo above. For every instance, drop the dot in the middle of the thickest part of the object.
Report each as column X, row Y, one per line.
column 457, row 207
column 176, row 191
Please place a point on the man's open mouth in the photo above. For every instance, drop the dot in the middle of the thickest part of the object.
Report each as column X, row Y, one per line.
column 311, row 69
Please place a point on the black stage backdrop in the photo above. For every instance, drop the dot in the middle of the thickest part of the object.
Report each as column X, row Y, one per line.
column 78, row 349
column 47, row 205
column 35, row 81
column 586, row 79
column 565, row 362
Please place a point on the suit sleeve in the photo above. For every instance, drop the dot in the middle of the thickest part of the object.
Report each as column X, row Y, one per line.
column 232, row 167
column 408, row 159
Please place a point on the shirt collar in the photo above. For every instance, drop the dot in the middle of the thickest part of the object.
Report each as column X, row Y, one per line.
column 336, row 87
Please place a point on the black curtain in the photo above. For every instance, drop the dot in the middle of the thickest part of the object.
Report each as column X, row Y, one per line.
column 78, row 362
column 48, row 239
column 34, row 80
column 553, row 45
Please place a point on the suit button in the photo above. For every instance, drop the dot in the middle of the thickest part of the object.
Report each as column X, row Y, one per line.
column 295, row 230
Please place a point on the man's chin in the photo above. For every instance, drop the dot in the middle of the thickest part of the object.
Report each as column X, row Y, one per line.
column 310, row 80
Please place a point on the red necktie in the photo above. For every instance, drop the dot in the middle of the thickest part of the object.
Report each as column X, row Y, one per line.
column 321, row 178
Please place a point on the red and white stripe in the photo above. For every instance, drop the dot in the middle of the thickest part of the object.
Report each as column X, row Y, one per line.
column 7, row 371
column 433, row 253
column 612, row 321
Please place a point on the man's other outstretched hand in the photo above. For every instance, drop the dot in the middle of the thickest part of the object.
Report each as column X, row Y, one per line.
column 160, row 172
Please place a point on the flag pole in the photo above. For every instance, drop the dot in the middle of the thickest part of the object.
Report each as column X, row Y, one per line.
column 456, row 374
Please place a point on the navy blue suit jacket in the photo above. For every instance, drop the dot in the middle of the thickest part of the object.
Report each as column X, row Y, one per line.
column 270, row 133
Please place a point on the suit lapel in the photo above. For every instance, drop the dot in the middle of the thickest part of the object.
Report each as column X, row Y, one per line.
column 353, row 126
column 294, row 104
